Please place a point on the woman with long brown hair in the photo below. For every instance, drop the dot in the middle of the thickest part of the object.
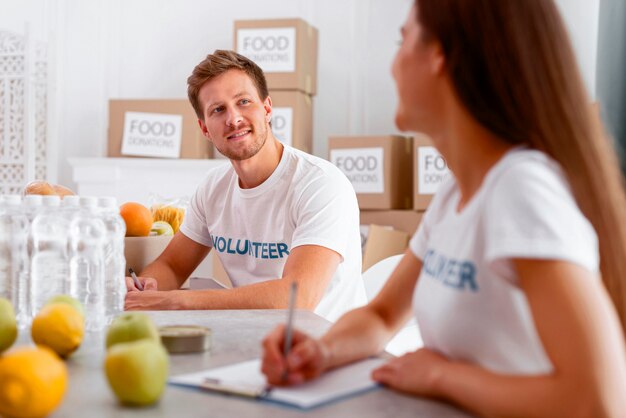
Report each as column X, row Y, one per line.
column 517, row 273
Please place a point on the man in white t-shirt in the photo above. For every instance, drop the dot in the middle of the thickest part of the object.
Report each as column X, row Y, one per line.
column 274, row 215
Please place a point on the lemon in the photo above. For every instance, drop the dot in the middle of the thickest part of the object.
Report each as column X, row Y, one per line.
column 60, row 327
column 8, row 325
column 33, row 381
column 69, row 300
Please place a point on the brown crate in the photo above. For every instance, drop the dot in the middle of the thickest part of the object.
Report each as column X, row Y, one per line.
column 430, row 165
column 298, row 133
column 303, row 77
column 394, row 190
column 401, row 220
column 382, row 243
column 193, row 144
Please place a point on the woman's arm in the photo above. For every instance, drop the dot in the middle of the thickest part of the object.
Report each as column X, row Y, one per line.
column 358, row 334
column 580, row 331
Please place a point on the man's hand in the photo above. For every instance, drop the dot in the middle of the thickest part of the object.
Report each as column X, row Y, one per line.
column 149, row 283
column 152, row 300
column 414, row 372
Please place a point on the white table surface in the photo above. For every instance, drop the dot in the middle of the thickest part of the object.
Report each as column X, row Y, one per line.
column 236, row 337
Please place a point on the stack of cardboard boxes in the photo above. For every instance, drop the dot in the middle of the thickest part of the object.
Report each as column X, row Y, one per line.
column 286, row 51
column 395, row 178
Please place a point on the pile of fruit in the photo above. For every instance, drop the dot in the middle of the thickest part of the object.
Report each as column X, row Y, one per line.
column 33, row 380
column 160, row 220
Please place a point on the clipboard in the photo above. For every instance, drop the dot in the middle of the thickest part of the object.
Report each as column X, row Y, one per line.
column 246, row 380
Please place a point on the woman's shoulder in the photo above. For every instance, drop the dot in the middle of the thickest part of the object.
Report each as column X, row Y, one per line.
column 527, row 173
column 529, row 186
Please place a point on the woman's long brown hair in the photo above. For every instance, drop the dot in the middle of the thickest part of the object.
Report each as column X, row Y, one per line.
column 514, row 69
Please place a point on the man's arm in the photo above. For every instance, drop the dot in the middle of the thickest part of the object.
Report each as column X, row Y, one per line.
column 312, row 266
column 176, row 263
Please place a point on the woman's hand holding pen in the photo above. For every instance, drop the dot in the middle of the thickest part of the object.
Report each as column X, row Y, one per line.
column 307, row 359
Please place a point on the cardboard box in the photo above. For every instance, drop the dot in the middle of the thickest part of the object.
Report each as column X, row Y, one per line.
column 141, row 251
column 192, row 144
column 292, row 118
column 383, row 242
column 429, row 171
column 379, row 168
column 401, row 220
column 286, row 50
column 219, row 274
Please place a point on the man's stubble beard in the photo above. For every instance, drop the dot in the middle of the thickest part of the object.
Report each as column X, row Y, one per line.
column 250, row 151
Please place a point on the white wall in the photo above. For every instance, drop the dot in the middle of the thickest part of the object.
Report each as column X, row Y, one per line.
column 611, row 79
column 147, row 48
column 582, row 19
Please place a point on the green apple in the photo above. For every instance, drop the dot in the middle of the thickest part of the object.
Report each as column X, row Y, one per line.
column 161, row 228
column 8, row 324
column 74, row 303
column 137, row 371
column 131, row 326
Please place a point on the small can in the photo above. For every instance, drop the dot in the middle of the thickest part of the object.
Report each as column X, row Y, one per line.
column 185, row 338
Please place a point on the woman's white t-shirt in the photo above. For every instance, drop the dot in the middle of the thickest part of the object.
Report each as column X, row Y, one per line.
column 468, row 301
column 306, row 201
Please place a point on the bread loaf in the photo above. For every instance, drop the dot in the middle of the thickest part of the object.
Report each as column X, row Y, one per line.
column 44, row 188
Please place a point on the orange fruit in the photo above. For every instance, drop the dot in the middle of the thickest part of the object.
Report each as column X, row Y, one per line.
column 33, row 381
column 60, row 327
column 138, row 219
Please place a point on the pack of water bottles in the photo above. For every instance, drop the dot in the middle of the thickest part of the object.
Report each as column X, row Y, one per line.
column 51, row 246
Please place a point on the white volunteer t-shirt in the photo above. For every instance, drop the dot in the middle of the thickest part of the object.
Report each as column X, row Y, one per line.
column 468, row 302
column 306, row 201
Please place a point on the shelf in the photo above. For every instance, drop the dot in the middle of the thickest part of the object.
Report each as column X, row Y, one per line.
column 137, row 179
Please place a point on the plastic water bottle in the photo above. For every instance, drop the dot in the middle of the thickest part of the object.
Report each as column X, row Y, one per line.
column 87, row 235
column 15, row 227
column 49, row 259
column 22, row 250
column 70, row 206
column 32, row 205
column 6, row 279
column 114, row 260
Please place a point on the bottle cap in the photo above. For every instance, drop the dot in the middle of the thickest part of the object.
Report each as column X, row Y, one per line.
column 185, row 338
column 71, row 200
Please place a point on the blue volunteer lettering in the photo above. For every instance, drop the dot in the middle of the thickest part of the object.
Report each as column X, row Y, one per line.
column 458, row 274
column 245, row 247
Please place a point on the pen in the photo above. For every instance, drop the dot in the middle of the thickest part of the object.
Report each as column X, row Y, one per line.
column 289, row 331
column 135, row 279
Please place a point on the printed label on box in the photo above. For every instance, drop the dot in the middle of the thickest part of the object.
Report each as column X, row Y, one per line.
column 272, row 49
column 432, row 170
column 282, row 124
column 152, row 135
column 362, row 166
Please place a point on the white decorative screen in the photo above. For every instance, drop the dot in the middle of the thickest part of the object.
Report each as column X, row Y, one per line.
column 23, row 111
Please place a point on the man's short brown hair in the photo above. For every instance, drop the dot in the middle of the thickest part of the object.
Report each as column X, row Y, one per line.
column 216, row 64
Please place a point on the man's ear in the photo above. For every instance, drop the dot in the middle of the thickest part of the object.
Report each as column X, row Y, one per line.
column 267, row 105
column 204, row 130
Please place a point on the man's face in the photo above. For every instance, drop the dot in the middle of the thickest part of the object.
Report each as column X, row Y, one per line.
column 236, row 120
